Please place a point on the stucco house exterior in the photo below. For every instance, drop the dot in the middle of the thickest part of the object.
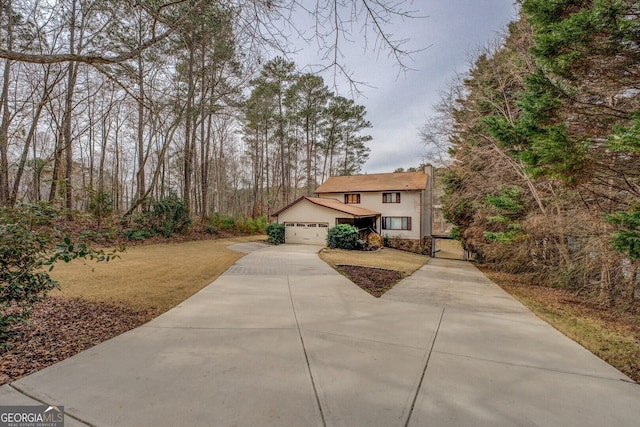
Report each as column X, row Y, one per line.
column 308, row 219
column 398, row 205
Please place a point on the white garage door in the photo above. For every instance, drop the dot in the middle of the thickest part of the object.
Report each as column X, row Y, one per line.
column 306, row 233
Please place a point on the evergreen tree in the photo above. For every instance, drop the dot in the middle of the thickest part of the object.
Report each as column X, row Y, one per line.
column 552, row 117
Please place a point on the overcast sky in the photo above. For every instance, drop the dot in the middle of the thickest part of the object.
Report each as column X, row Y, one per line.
column 398, row 105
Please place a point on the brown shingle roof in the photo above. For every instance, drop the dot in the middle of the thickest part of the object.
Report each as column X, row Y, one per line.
column 375, row 182
column 337, row 205
column 334, row 204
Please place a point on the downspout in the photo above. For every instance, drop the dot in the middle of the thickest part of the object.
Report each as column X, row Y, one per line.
column 429, row 196
column 422, row 221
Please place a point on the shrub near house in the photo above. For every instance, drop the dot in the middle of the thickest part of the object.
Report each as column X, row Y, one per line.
column 275, row 233
column 343, row 236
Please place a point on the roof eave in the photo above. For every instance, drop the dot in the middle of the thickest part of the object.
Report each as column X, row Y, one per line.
column 351, row 190
column 374, row 214
column 275, row 214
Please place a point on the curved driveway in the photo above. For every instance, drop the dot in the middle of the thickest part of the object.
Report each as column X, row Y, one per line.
column 281, row 339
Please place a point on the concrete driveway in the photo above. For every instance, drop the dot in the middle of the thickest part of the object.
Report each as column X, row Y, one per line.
column 281, row 339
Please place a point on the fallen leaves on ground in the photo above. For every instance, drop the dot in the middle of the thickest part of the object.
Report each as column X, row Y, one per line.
column 61, row 328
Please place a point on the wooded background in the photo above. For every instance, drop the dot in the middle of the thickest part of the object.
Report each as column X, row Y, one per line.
column 128, row 101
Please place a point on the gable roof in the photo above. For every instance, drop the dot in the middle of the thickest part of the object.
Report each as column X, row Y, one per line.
column 401, row 181
column 337, row 205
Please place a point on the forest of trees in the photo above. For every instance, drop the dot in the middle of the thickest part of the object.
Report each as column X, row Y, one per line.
column 545, row 146
column 298, row 133
column 131, row 101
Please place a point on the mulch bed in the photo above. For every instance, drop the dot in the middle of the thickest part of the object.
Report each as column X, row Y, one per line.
column 376, row 281
column 61, row 328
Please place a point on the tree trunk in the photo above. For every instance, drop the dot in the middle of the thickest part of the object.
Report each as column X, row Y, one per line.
column 159, row 171
column 67, row 143
column 140, row 176
column 115, row 179
column 308, row 150
column 188, row 154
column 205, row 164
column 204, row 151
column 283, row 167
column 57, row 161
column 67, row 136
column 6, row 116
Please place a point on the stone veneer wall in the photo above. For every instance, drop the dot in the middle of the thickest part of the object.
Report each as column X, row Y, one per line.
column 427, row 245
column 411, row 245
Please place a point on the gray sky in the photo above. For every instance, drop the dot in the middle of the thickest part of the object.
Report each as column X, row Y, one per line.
column 398, row 104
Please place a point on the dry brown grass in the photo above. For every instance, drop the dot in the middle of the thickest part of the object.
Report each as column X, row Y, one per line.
column 614, row 337
column 155, row 277
column 404, row 262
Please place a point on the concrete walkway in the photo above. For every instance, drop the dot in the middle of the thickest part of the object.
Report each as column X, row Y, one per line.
column 281, row 339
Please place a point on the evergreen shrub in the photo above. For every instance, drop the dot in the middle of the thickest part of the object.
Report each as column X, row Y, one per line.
column 275, row 233
column 343, row 236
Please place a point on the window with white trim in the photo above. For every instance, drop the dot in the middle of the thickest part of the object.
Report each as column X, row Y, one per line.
column 396, row 223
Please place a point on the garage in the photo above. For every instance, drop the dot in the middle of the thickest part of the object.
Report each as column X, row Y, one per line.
column 307, row 220
column 310, row 233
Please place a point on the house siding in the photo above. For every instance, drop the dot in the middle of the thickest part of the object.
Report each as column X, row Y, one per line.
column 410, row 206
column 305, row 211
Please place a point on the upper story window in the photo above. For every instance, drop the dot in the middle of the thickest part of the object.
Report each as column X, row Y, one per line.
column 390, row 197
column 352, row 198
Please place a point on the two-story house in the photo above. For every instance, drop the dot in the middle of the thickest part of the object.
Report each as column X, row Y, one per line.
column 398, row 205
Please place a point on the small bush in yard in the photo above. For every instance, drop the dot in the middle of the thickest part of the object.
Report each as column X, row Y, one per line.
column 240, row 225
column 100, row 204
column 275, row 233
column 227, row 223
column 29, row 248
column 169, row 216
column 137, row 234
column 165, row 217
column 343, row 236
column 249, row 226
column 261, row 224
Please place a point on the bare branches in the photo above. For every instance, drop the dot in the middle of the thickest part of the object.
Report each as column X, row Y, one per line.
column 102, row 58
column 382, row 13
column 153, row 79
column 367, row 22
column 261, row 26
column 330, row 27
